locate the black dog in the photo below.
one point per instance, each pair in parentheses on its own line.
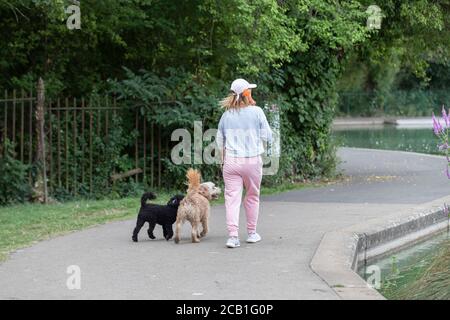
(157,214)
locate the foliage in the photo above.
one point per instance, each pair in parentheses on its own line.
(13,178)
(173,60)
(309,80)
(426,279)
(109,153)
(173,101)
(410,53)
(442,132)
(406,103)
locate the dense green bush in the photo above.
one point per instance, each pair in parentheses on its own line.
(110,153)
(172,102)
(294,49)
(14,185)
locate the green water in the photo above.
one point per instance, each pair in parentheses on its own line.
(390,138)
(421,272)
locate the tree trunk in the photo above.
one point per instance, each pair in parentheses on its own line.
(41,185)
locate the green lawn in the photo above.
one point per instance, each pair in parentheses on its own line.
(22,225)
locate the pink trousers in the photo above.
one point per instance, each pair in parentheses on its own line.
(239,172)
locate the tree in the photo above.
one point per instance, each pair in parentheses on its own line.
(414,35)
(295,49)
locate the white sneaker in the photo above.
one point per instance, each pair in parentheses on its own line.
(253,237)
(233,242)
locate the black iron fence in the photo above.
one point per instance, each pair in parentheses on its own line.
(79,136)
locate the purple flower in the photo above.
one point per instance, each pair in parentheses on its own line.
(446,117)
(437,128)
(448,173)
(443,147)
(448,166)
(446,209)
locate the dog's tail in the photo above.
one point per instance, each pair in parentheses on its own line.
(194,178)
(147,196)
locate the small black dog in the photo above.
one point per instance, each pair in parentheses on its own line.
(157,214)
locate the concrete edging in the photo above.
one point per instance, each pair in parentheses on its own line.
(354,122)
(407,153)
(340,252)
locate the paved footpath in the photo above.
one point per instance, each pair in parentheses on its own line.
(291,224)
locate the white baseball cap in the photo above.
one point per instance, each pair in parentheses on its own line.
(240,85)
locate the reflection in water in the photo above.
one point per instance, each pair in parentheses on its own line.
(389,137)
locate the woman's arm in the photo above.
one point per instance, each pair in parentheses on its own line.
(266,131)
(220,140)
(222,156)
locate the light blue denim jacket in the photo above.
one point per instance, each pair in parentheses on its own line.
(242,132)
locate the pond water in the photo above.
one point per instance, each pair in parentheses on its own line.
(422,271)
(388,137)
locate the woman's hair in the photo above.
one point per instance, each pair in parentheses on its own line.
(231,101)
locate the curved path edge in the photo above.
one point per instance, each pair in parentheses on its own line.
(342,252)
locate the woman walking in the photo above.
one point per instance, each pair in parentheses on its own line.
(242,129)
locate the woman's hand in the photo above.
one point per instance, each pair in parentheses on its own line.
(222,159)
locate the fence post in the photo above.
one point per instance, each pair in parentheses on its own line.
(40,128)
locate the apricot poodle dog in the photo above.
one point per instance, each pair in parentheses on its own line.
(195,206)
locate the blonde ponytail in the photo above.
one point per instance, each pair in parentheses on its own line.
(231,101)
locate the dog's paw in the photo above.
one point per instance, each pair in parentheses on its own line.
(135,239)
(177,240)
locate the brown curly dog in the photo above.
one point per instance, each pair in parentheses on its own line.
(195,206)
